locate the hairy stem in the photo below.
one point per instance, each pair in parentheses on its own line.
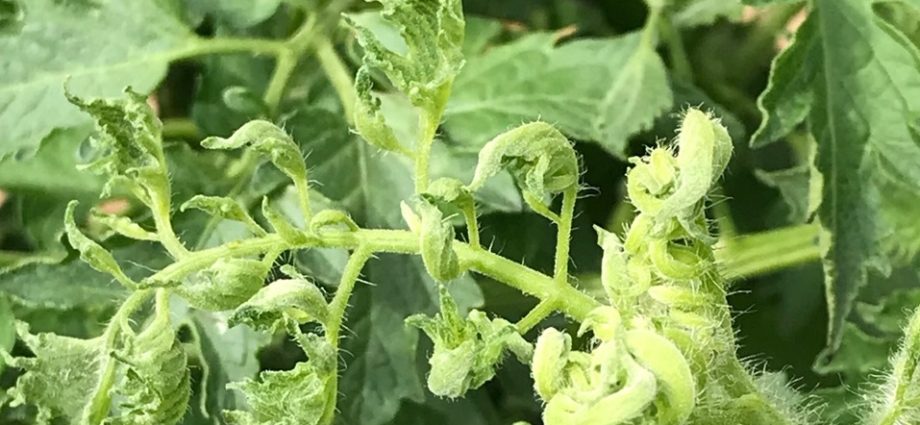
(564,234)
(339,75)
(336,316)
(180,128)
(761,253)
(287,61)
(166,234)
(100,403)
(543,309)
(574,303)
(680,62)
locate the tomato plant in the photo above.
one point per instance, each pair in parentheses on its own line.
(414,211)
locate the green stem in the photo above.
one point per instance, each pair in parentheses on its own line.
(180,128)
(429,118)
(563,235)
(574,303)
(342,294)
(761,253)
(472,227)
(336,316)
(543,309)
(287,60)
(338,75)
(165,233)
(677,53)
(423,151)
(650,29)
(98,408)
(220,45)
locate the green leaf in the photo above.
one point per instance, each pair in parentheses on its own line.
(268,140)
(291,397)
(101,46)
(856,81)
(466,351)
(603,90)
(227,355)
(540,158)
(793,185)
(369,120)
(65,286)
(91,252)
(53,168)
(223,207)
(61,378)
(433,37)
(156,388)
(281,302)
(128,146)
(383,371)
(224,285)
(74,284)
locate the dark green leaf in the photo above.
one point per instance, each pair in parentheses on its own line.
(857,83)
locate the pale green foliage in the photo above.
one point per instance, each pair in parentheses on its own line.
(124,226)
(156,386)
(369,120)
(466,351)
(57,360)
(668,322)
(146,376)
(539,157)
(281,303)
(128,146)
(295,397)
(225,208)
(893,402)
(661,349)
(91,252)
(433,35)
(436,238)
(268,140)
(224,285)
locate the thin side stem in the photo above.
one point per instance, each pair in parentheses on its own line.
(165,233)
(220,45)
(677,53)
(337,315)
(180,128)
(564,234)
(339,303)
(423,150)
(543,309)
(98,408)
(338,75)
(472,227)
(760,253)
(287,61)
